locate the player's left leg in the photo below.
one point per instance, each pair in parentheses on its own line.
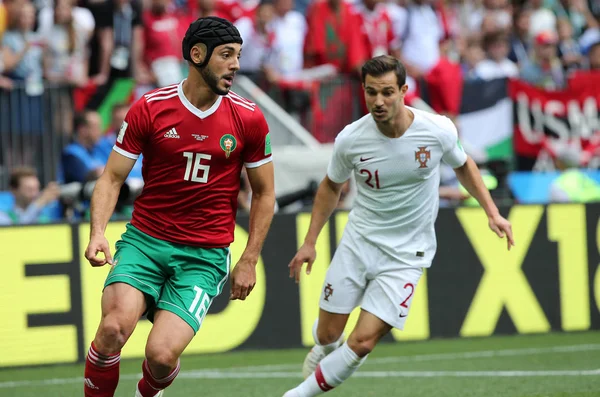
(344,361)
(169,337)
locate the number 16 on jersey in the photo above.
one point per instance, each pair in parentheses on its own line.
(195,171)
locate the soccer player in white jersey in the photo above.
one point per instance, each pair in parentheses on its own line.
(395,153)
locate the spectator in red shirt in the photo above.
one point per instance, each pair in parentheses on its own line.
(162,43)
(207,8)
(378,28)
(199,9)
(233,10)
(333,37)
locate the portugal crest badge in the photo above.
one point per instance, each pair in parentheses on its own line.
(422,156)
(228,144)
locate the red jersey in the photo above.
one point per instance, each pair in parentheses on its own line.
(192,163)
(334,37)
(378,29)
(162,35)
(232,10)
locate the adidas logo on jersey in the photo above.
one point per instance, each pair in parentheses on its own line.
(172,134)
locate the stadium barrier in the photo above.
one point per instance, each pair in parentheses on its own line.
(548,282)
(34,129)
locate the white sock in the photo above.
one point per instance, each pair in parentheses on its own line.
(331,372)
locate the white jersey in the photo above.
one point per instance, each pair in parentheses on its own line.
(397,182)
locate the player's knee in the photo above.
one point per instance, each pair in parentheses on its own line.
(362,344)
(328,334)
(160,359)
(112,335)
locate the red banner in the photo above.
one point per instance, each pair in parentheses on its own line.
(541,116)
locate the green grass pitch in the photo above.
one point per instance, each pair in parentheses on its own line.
(551,365)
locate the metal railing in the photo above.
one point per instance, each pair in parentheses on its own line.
(34,130)
(285,129)
(323,107)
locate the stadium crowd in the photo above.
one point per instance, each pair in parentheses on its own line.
(88,45)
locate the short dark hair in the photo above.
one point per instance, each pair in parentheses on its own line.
(81,119)
(494,37)
(19,173)
(383,64)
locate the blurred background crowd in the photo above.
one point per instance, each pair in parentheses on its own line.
(70,69)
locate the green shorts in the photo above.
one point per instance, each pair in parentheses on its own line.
(181,279)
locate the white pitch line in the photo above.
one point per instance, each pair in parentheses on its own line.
(248,371)
(488,353)
(392,374)
(298,375)
(442,356)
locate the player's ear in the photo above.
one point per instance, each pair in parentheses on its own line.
(404,89)
(198,52)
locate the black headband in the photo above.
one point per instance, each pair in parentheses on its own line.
(212,32)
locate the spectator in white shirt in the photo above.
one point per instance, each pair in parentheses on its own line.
(497,65)
(258,38)
(493,14)
(421,39)
(289,27)
(67,31)
(542,19)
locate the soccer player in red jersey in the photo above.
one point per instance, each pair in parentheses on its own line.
(173,258)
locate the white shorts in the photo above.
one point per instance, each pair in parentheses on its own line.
(363,275)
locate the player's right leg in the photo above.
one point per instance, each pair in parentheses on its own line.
(342,291)
(122,306)
(132,283)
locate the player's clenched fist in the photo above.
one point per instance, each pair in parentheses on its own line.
(98,244)
(306,254)
(243,279)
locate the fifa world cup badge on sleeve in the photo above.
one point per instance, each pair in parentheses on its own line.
(122,132)
(228,144)
(268,144)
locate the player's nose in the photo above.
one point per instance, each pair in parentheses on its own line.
(235,65)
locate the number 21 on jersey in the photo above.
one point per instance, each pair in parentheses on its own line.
(195,171)
(372,180)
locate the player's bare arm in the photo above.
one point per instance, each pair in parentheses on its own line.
(104,200)
(326,200)
(243,276)
(470,177)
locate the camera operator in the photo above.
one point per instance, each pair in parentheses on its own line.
(82,159)
(83,162)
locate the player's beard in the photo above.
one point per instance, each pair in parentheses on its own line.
(212,80)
